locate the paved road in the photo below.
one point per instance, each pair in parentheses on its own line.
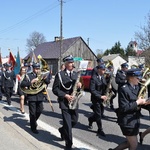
(48,137)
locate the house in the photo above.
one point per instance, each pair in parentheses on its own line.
(54,52)
(134,46)
(135,60)
(116,59)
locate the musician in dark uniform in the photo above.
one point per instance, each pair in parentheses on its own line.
(95,72)
(8,80)
(121,75)
(1,90)
(95,69)
(98,90)
(35,101)
(109,77)
(129,110)
(63,85)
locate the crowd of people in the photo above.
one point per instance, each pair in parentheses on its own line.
(129,101)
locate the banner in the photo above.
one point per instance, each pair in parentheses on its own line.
(17,64)
(11,60)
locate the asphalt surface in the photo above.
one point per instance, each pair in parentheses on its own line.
(15,133)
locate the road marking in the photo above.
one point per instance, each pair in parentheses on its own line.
(77,143)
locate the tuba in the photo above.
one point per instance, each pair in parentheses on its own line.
(40,84)
(35,87)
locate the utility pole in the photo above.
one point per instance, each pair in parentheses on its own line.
(61,28)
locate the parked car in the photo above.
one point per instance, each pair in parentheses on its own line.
(86,77)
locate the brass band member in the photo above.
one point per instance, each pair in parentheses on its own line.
(121,75)
(100,61)
(63,88)
(109,77)
(8,80)
(129,111)
(98,88)
(35,101)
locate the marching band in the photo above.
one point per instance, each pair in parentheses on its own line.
(32,85)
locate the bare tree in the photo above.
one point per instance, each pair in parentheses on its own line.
(143,37)
(34,40)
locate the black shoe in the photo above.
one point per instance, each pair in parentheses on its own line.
(103,116)
(110,149)
(68,148)
(101,133)
(61,134)
(90,123)
(9,103)
(92,107)
(35,131)
(140,135)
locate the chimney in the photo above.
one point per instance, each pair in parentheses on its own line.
(57,38)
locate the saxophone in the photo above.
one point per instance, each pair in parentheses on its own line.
(109,94)
(77,94)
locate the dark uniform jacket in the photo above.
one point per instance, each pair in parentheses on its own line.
(129,112)
(1,74)
(60,89)
(120,78)
(8,79)
(95,71)
(97,88)
(26,82)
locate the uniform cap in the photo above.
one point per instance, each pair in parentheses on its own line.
(26,64)
(110,67)
(102,66)
(107,71)
(141,66)
(8,65)
(36,65)
(100,60)
(134,73)
(68,58)
(124,65)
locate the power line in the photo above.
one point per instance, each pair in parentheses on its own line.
(22,22)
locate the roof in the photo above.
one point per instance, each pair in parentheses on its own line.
(110,57)
(49,50)
(139,52)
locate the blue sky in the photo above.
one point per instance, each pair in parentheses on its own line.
(104,22)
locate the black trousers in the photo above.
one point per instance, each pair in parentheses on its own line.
(1,93)
(35,110)
(8,93)
(115,94)
(97,114)
(70,119)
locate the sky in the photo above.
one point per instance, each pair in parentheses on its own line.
(103,22)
